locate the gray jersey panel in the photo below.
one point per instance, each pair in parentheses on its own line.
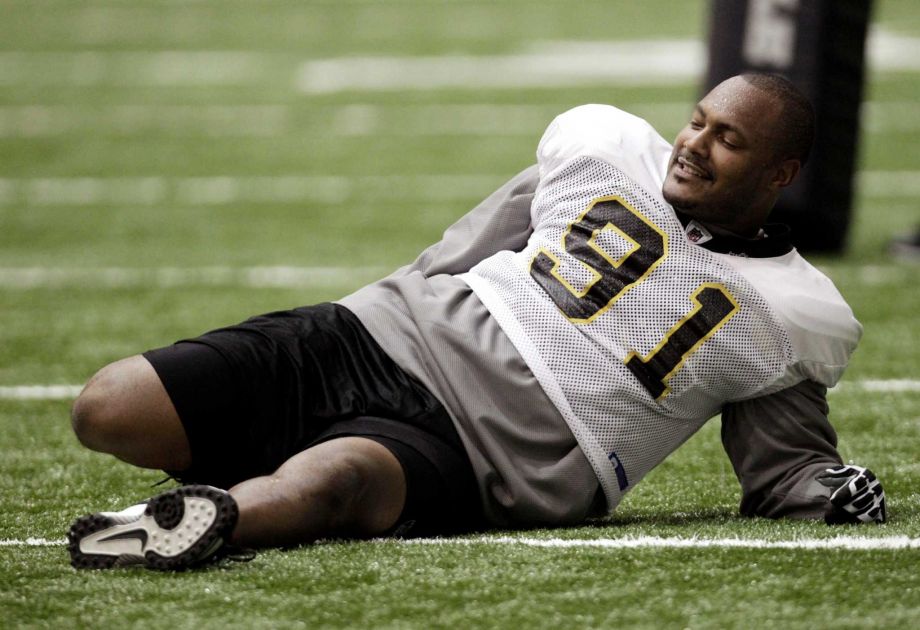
(527,462)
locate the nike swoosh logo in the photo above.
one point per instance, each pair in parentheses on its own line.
(125,539)
(139,534)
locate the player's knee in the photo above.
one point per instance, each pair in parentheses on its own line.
(100,415)
(90,415)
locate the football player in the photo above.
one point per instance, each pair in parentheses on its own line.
(529,369)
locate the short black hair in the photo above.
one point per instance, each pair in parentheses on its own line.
(797,133)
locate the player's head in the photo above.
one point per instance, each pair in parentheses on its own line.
(746,140)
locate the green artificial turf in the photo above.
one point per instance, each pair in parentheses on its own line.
(383,152)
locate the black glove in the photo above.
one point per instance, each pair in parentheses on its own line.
(858,496)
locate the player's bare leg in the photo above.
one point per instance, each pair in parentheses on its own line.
(349,486)
(124,410)
(346,486)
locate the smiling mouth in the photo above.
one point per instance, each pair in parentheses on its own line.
(688,168)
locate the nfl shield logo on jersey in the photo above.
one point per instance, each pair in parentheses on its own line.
(696,233)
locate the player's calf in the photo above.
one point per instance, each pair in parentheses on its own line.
(348,486)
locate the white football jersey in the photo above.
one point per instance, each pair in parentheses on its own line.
(637,333)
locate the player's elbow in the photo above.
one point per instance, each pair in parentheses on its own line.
(792,493)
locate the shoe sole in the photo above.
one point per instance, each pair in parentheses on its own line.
(176,530)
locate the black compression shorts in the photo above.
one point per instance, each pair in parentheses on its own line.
(253,395)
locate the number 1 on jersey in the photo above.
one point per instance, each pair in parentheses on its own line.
(714,305)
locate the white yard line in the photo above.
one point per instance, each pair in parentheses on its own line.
(657,542)
(69,392)
(289,277)
(662,62)
(40,392)
(554,64)
(850,543)
(488,120)
(164,68)
(872,275)
(36,121)
(891,116)
(329,189)
(896,385)
(32,542)
(503,120)
(557,64)
(230,189)
(889,183)
(171,277)
(542,65)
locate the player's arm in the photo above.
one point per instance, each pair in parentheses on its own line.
(784,452)
(501,221)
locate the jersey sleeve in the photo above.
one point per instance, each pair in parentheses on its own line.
(777,445)
(609,134)
(500,222)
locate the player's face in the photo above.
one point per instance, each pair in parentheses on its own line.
(723,170)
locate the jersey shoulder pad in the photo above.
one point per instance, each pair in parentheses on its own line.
(821,325)
(609,134)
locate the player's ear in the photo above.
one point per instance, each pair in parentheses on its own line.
(786,172)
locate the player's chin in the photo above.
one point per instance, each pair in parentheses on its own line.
(679,194)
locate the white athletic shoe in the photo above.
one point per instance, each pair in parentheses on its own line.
(175,530)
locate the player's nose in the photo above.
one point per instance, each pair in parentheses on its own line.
(697,141)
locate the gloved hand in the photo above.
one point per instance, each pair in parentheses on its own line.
(858,496)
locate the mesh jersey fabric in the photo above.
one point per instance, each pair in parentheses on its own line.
(598,217)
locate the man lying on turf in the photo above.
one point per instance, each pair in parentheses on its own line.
(529,369)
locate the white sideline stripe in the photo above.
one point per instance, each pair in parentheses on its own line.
(558,64)
(170,277)
(872,275)
(656,542)
(501,119)
(329,189)
(289,277)
(853,543)
(159,68)
(32,542)
(490,120)
(40,392)
(228,189)
(889,183)
(551,64)
(543,65)
(69,392)
(878,385)
(31,121)
(890,116)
